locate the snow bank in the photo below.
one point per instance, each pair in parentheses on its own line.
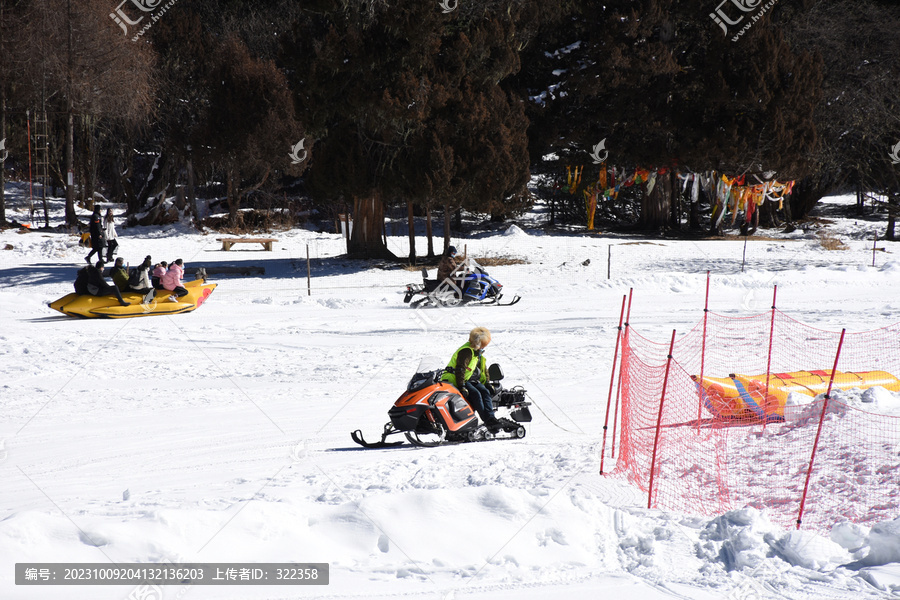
(800,409)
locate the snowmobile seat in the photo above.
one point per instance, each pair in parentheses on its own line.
(495,373)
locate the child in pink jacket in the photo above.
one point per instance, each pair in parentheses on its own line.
(157,273)
(171,280)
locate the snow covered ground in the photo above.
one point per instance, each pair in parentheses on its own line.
(222,435)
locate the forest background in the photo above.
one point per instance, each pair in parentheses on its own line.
(273,111)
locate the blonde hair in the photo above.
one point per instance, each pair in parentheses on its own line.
(480,337)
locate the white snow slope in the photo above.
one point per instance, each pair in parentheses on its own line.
(222,435)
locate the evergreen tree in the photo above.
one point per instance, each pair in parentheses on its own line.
(406,104)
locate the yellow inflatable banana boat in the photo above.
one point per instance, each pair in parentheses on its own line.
(81,305)
(746,397)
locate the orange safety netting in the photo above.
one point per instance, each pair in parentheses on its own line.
(738,421)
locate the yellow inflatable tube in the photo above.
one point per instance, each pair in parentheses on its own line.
(78,305)
(746,396)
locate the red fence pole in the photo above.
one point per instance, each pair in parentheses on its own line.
(612,380)
(619,385)
(812,457)
(702,357)
(659,422)
(769,361)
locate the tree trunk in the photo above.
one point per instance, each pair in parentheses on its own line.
(892,217)
(232,193)
(86,177)
(90,161)
(132,206)
(694,218)
(654,208)
(410,217)
(2,129)
(158,179)
(768,214)
(860,203)
(807,193)
(786,207)
(71,217)
(191,194)
(428,231)
(367,240)
(553,208)
(673,193)
(446,227)
(2,136)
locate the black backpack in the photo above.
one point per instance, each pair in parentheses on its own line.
(81,281)
(134,278)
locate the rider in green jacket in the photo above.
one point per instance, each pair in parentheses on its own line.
(459,372)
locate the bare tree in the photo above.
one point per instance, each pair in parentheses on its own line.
(78,63)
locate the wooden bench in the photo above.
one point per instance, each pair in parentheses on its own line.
(227,243)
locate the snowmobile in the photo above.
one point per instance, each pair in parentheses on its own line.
(469,284)
(432,412)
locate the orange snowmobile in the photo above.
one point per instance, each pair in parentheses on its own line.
(432,412)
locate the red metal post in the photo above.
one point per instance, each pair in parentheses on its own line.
(619,385)
(812,457)
(702,357)
(769,361)
(612,379)
(659,422)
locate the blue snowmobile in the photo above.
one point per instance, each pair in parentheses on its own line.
(469,284)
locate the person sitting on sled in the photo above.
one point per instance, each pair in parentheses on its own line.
(459,373)
(452,272)
(139,281)
(90,281)
(448,264)
(156,275)
(120,274)
(171,280)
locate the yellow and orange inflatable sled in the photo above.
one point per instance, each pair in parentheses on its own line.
(82,305)
(745,397)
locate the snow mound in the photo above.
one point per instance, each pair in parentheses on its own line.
(515,231)
(809,550)
(737,539)
(800,409)
(883,545)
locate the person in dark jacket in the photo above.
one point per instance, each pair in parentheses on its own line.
(98,286)
(459,373)
(81,280)
(98,235)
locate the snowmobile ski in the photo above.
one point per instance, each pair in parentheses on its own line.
(358,438)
